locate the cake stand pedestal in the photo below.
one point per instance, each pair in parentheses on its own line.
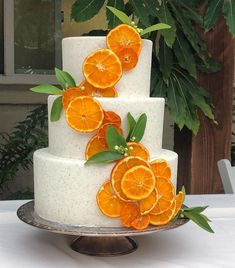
(96,241)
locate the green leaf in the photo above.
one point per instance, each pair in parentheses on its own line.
(184,191)
(192,11)
(155,27)
(229,14)
(212,13)
(56,109)
(104,157)
(187,28)
(195,209)
(208,65)
(85,10)
(47,89)
(131,125)
(113,138)
(64,78)
(121,15)
(184,54)
(165,59)
(140,11)
(139,129)
(199,220)
(113,20)
(164,16)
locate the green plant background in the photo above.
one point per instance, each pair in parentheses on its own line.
(178,54)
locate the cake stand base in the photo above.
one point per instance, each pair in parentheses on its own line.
(104,246)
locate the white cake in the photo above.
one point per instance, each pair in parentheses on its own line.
(65,189)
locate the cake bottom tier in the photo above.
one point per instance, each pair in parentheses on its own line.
(65,189)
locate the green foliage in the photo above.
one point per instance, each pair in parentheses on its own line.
(64,78)
(139,129)
(47,89)
(114,138)
(16,149)
(104,157)
(56,109)
(178,52)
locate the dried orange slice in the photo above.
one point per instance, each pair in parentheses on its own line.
(108,202)
(147,204)
(93,147)
(72,93)
(129,212)
(179,202)
(102,68)
(124,36)
(161,168)
(164,217)
(141,222)
(120,169)
(101,134)
(138,183)
(111,117)
(84,114)
(109,92)
(128,58)
(137,149)
(166,195)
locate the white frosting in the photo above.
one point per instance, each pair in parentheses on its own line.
(66,142)
(133,83)
(65,189)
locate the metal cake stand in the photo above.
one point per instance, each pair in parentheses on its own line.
(96,241)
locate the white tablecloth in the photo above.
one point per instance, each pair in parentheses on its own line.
(23,246)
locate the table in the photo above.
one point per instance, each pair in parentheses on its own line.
(23,246)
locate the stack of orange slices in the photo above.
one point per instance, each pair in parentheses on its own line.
(143,193)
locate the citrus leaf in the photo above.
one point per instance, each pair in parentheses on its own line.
(85,10)
(64,78)
(121,15)
(164,16)
(165,59)
(212,13)
(139,129)
(184,54)
(195,209)
(140,11)
(199,220)
(56,109)
(113,138)
(113,20)
(229,14)
(155,27)
(47,89)
(131,125)
(104,157)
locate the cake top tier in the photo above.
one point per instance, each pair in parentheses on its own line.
(133,83)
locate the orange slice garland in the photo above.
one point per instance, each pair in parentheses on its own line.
(141,222)
(137,149)
(129,212)
(179,202)
(128,58)
(102,68)
(161,168)
(124,36)
(120,169)
(109,92)
(138,183)
(93,147)
(164,217)
(84,114)
(101,134)
(166,195)
(72,93)
(111,117)
(147,204)
(108,202)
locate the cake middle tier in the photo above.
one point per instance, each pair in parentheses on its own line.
(66,142)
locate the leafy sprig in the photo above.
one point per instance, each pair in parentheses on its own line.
(117,144)
(65,80)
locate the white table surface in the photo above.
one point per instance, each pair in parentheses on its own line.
(23,246)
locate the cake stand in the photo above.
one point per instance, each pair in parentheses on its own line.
(96,241)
